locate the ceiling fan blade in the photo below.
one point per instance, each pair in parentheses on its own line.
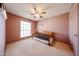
(31,14)
(34,6)
(43,12)
(40,16)
(35,9)
(34,17)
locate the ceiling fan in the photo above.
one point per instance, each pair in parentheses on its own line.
(37,13)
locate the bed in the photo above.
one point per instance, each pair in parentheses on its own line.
(44,37)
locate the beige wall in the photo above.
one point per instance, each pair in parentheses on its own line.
(13,27)
(58,24)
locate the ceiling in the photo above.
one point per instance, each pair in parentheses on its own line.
(25,9)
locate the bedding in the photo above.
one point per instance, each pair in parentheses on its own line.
(42,36)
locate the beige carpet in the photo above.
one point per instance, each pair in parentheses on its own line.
(30,47)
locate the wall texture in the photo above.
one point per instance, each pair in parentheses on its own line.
(13,27)
(58,24)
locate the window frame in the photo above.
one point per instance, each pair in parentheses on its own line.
(23,28)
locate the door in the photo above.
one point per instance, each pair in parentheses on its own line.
(2,35)
(74,28)
(77,30)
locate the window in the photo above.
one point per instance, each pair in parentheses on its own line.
(25,29)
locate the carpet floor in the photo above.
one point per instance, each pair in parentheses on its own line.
(31,47)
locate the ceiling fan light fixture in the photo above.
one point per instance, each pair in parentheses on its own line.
(37,15)
(39,11)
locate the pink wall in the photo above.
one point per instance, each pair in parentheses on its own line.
(13,27)
(58,24)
